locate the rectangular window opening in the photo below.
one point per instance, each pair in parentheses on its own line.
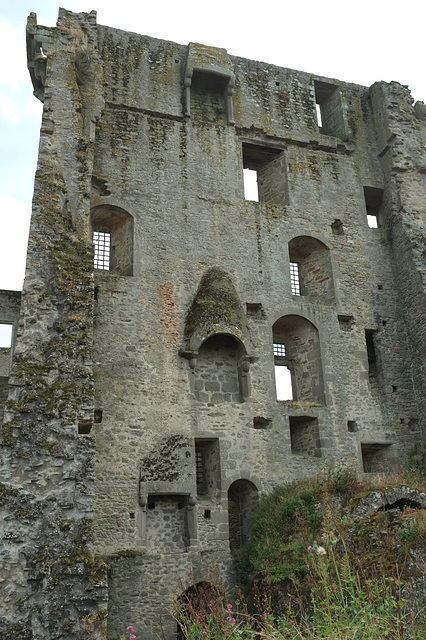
(295,278)
(283,383)
(373,201)
(102,243)
(251,191)
(346,323)
(304,435)
(352,426)
(329,108)
(264,172)
(6,335)
(319,115)
(371,355)
(207,468)
(84,427)
(376,457)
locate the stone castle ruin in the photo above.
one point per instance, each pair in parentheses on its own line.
(161,304)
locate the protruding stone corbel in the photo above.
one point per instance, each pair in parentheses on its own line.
(191,356)
(192,519)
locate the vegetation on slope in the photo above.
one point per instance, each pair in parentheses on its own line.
(313,570)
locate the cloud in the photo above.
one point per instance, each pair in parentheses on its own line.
(10,109)
(15,220)
(13,70)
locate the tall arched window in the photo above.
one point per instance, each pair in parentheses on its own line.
(112,229)
(300,353)
(242,500)
(310,268)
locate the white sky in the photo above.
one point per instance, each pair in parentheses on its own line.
(361,42)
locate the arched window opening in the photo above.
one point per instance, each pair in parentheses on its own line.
(242,501)
(297,349)
(220,374)
(310,268)
(112,232)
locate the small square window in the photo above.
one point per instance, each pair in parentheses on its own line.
(279,349)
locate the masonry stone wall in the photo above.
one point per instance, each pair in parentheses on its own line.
(142,420)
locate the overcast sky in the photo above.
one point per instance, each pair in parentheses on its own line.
(361,42)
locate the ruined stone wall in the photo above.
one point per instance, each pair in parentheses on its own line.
(51,575)
(143,398)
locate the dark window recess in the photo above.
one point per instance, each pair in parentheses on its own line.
(371,355)
(337,228)
(261,423)
(376,457)
(207,514)
(208,97)
(268,167)
(97,416)
(254,309)
(304,435)
(373,204)
(84,427)
(207,468)
(151,505)
(329,108)
(352,426)
(346,322)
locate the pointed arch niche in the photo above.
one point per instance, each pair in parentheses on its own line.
(310,268)
(215,337)
(302,357)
